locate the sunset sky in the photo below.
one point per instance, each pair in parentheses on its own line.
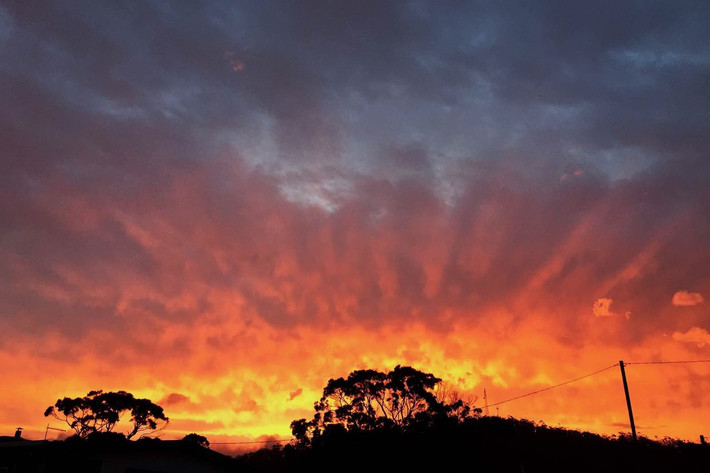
(221,205)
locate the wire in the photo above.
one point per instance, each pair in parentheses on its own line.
(553,387)
(596,372)
(665,362)
(250,441)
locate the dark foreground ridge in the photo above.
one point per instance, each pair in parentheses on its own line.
(110,453)
(484,444)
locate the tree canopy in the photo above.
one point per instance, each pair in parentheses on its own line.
(369,399)
(99,412)
(196,439)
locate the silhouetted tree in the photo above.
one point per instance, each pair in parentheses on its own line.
(196,439)
(98,412)
(458,406)
(368,400)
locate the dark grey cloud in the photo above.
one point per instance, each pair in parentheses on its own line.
(325,79)
(180,147)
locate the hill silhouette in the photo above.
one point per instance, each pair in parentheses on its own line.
(395,421)
(483,444)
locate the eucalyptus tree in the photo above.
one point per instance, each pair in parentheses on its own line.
(369,399)
(99,412)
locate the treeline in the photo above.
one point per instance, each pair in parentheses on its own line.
(407,420)
(479,444)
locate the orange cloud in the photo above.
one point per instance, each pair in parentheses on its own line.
(687,299)
(696,335)
(508,359)
(602,307)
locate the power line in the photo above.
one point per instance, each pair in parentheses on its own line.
(250,442)
(597,372)
(666,362)
(553,387)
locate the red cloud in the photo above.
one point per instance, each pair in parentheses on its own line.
(685,298)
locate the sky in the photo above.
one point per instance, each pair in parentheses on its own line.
(221,205)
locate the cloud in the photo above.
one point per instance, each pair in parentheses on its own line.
(234,62)
(686,299)
(602,307)
(697,335)
(379,184)
(174,399)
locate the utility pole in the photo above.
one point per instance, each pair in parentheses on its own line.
(485,398)
(628,400)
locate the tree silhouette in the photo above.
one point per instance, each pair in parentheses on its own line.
(369,399)
(196,439)
(99,412)
(457,406)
